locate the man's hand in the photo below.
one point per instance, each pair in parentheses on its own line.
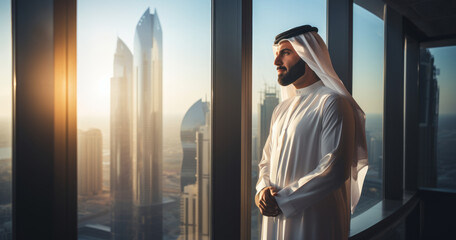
(266,202)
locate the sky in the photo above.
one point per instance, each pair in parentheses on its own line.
(368,52)
(187,51)
(5,59)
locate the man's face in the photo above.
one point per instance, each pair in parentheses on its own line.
(290,66)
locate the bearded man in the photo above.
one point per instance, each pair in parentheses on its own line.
(315,158)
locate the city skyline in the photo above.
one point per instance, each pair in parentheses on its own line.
(99,41)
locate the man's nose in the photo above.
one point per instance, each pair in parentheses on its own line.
(278,61)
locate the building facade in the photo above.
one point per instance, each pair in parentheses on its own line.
(195,199)
(194,118)
(269,100)
(429,118)
(122,148)
(90,157)
(147,72)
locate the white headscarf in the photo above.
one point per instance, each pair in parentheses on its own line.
(311,48)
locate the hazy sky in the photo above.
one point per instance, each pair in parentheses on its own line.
(187,45)
(186,50)
(368,60)
(5,59)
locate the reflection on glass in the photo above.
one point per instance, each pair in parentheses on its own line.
(267,23)
(368,92)
(144,142)
(5,121)
(437,117)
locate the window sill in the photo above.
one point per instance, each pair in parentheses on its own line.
(382,217)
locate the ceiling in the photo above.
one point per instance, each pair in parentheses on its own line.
(435,18)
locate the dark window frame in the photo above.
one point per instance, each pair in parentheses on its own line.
(44,119)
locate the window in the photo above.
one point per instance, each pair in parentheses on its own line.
(144,122)
(368,47)
(267,23)
(437,117)
(5,121)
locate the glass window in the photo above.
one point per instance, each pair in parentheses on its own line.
(267,23)
(5,120)
(437,117)
(368,47)
(144,139)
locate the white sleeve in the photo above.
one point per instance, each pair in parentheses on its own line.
(337,139)
(263,173)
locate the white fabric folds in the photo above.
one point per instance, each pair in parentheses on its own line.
(311,48)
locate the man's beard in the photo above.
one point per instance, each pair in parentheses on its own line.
(295,72)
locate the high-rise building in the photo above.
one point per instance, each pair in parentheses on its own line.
(195,199)
(189,213)
(193,119)
(90,166)
(122,148)
(203,176)
(147,70)
(429,105)
(269,100)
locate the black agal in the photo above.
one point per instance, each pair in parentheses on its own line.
(295,32)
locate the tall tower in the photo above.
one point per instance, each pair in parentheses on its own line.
(195,198)
(203,176)
(189,213)
(194,118)
(148,106)
(268,103)
(90,157)
(122,148)
(429,105)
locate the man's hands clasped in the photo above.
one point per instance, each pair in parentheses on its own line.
(265,201)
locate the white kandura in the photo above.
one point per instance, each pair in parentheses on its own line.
(308,157)
(312,50)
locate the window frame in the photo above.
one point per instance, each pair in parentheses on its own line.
(44,119)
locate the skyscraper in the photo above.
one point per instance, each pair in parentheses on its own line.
(269,100)
(122,148)
(429,103)
(194,118)
(189,213)
(90,157)
(195,199)
(147,69)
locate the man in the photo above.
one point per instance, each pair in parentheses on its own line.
(315,158)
